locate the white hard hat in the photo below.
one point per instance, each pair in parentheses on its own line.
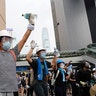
(5,33)
(40,49)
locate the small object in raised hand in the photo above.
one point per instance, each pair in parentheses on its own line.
(31,17)
(56,52)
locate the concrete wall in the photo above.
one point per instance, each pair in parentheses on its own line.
(2,14)
(74,32)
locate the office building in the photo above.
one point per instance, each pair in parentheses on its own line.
(74,23)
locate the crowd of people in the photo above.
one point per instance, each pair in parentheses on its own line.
(39,79)
(62,80)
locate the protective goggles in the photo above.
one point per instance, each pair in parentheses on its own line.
(5,38)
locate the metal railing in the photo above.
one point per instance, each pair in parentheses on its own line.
(63,54)
(90,50)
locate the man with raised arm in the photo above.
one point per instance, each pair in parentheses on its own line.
(40,67)
(8,81)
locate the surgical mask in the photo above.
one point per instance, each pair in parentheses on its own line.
(43,55)
(61,65)
(6,45)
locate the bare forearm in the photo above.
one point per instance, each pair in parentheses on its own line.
(68,64)
(54,60)
(53,63)
(28,56)
(23,40)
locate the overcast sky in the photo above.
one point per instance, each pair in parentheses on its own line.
(14,20)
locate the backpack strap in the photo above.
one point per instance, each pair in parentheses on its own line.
(54,78)
(13,54)
(57,74)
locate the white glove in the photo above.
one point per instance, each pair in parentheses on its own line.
(56,52)
(82,83)
(30,27)
(77,85)
(33,44)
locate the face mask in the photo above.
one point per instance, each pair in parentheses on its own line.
(43,55)
(62,66)
(6,45)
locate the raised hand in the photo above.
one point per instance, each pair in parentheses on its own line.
(32,18)
(33,44)
(56,52)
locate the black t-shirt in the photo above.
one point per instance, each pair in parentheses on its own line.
(34,65)
(83,75)
(59,79)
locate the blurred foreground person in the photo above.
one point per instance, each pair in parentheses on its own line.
(8,81)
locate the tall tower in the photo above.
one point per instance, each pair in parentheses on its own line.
(45,39)
(2,15)
(56,24)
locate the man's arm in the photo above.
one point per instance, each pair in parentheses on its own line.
(56,55)
(53,63)
(25,37)
(29,54)
(65,67)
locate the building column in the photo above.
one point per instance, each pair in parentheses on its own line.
(91,14)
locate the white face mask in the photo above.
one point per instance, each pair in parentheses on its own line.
(43,55)
(61,65)
(6,45)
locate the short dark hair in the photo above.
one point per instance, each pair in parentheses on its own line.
(1,38)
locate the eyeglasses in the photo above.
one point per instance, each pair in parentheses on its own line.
(5,38)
